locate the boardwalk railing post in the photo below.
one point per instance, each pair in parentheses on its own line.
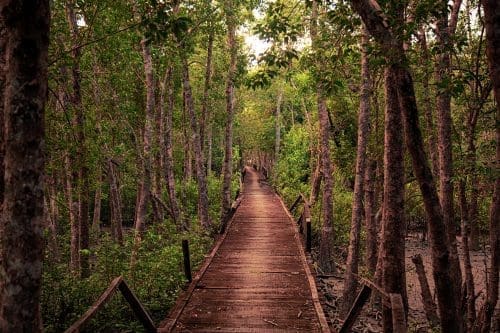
(308,235)
(187,260)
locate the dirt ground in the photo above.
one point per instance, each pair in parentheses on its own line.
(370,319)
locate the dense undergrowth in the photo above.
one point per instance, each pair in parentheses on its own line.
(156,278)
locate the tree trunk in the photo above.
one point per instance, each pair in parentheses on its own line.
(115,203)
(73,219)
(393,225)
(3,68)
(144,194)
(432,146)
(429,305)
(350,282)
(277,126)
(227,167)
(200,169)
(316,182)
(444,124)
(492,24)
(370,221)
(168,163)
(26,41)
(96,220)
(205,116)
(326,262)
(440,249)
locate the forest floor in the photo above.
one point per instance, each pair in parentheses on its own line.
(370,318)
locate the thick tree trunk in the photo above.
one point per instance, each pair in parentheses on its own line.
(350,282)
(227,166)
(200,169)
(492,24)
(168,163)
(26,41)
(326,262)
(3,68)
(144,193)
(440,249)
(393,225)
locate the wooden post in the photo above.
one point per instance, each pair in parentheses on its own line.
(356,308)
(187,261)
(137,307)
(308,235)
(398,314)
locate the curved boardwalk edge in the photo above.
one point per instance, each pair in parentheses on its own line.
(256,278)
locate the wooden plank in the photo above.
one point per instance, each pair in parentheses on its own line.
(356,308)
(310,278)
(139,311)
(101,301)
(398,314)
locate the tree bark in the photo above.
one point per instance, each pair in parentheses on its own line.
(227,167)
(200,169)
(26,41)
(393,225)
(372,16)
(326,262)
(81,175)
(115,203)
(277,126)
(370,220)
(144,193)
(350,283)
(168,163)
(492,24)
(205,116)
(444,124)
(429,305)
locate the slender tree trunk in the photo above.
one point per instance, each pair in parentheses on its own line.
(370,221)
(115,203)
(3,68)
(227,167)
(277,126)
(469,278)
(81,176)
(429,305)
(350,282)
(96,220)
(432,146)
(316,182)
(492,24)
(205,116)
(209,148)
(200,169)
(326,262)
(73,219)
(144,194)
(168,163)
(440,248)
(188,167)
(444,124)
(26,41)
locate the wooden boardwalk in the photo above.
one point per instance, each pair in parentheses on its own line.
(256,279)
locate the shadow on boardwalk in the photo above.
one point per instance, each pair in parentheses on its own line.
(256,278)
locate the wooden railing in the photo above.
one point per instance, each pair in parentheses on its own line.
(394,301)
(304,220)
(139,311)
